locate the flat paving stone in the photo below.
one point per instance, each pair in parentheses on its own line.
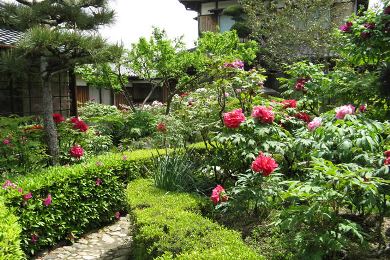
(108,243)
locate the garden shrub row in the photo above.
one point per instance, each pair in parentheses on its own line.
(169,225)
(9,235)
(62,203)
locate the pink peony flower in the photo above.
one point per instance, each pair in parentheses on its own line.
(6,141)
(346,27)
(27,196)
(264,164)
(98,182)
(263,114)
(303,116)
(8,184)
(314,124)
(48,200)
(34,238)
(20,190)
(342,111)
(234,118)
(237,64)
(365,35)
(58,118)
(218,195)
(363,108)
(117,215)
(289,103)
(76,151)
(161,127)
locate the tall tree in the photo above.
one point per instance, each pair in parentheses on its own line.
(58,35)
(291,30)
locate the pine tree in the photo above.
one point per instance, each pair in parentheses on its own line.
(58,34)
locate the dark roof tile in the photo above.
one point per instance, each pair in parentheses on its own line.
(9,37)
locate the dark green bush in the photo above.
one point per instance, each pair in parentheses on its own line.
(9,235)
(169,225)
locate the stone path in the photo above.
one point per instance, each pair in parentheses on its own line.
(109,243)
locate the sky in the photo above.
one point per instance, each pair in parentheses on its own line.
(135,19)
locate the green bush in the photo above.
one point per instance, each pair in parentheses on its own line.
(169,225)
(9,235)
(84,196)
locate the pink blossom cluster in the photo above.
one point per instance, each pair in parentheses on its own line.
(237,64)
(314,124)
(218,195)
(234,118)
(263,114)
(289,103)
(264,164)
(342,111)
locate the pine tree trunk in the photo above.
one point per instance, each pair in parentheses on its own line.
(50,127)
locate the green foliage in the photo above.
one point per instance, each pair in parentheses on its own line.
(169,226)
(367,41)
(174,171)
(9,235)
(289,30)
(103,75)
(25,151)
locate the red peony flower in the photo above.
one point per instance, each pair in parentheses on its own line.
(263,114)
(264,164)
(161,127)
(58,118)
(387,10)
(363,108)
(303,116)
(289,103)
(365,35)
(369,26)
(80,125)
(346,27)
(387,153)
(74,120)
(48,200)
(76,151)
(234,118)
(218,195)
(300,84)
(34,238)
(387,161)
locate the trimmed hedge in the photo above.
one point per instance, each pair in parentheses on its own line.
(169,225)
(84,197)
(9,235)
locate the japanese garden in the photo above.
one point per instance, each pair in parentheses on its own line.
(267,139)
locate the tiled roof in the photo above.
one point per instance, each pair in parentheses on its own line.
(9,37)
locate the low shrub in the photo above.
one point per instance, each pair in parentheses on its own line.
(169,225)
(67,201)
(9,235)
